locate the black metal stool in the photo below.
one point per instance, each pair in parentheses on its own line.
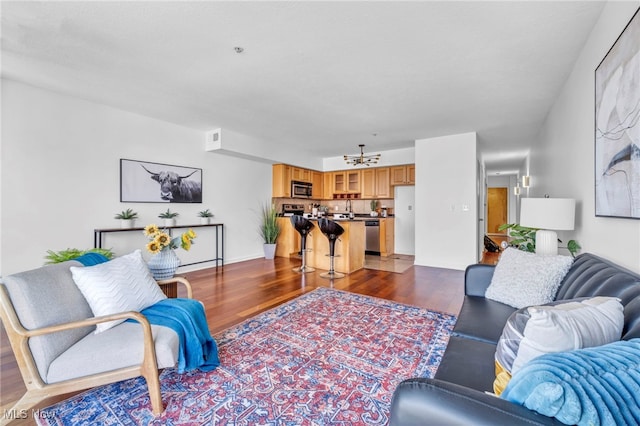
(303,226)
(332,230)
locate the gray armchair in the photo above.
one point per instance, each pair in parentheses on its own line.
(50,328)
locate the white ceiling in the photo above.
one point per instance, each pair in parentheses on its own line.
(324,74)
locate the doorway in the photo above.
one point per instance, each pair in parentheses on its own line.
(497,201)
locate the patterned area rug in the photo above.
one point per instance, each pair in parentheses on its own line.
(327,357)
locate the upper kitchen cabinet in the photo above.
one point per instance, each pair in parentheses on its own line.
(375,183)
(300,174)
(318,184)
(346,182)
(327,186)
(403,175)
(281,181)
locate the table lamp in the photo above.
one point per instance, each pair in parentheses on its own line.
(549,215)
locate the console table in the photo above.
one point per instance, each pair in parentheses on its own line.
(219,236)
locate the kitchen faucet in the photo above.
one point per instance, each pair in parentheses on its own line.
(348,207)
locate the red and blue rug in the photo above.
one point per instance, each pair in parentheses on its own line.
(328,357)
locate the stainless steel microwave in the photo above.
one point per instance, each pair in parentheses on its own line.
(301,189)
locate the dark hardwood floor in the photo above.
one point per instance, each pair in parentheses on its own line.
(238,291)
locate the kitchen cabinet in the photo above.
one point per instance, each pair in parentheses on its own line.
(327,186)
(283,174)
(403,175)
(288,242)
(386,236)
(318,184)
(346,182)
(369,183)
(375,183)
(383,185)
(300,175)
(281,181)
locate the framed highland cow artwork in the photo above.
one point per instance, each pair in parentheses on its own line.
(145,182)
(617,126)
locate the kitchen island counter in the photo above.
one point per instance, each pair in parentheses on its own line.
(349,248)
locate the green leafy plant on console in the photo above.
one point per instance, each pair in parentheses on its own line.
(205,213)
(168,215)
(73,253)
(127,214)
(525,238)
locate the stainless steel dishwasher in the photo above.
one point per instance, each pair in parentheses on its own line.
(372,237)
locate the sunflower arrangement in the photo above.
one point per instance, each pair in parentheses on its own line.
(161,240)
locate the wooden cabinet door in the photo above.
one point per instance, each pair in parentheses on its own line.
(281,181)
(300,174)
(398,175)
(411,174)
(403,175)
(317,182)
(353,181)
(369,183)
(339,183)
(327,186)
(383,188)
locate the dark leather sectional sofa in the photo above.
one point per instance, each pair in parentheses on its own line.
(457,394)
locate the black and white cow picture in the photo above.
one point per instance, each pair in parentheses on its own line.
(175,188)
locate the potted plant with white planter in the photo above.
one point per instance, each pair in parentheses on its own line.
(374,204)
(169,217)
(269,229)
(127,218)
(205,217)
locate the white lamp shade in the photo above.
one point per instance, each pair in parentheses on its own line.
(548,213)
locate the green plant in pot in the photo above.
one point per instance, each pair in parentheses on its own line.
(169,217)
(269,229)
(373,204)
(205,216)
(525,238)
(127,218)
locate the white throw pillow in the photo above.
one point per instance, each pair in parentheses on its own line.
(120,285)
(568,326)
(560,326)
(525,279)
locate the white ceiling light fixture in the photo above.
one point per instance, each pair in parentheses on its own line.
(362,159)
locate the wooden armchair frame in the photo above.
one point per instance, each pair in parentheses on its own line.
(38,390)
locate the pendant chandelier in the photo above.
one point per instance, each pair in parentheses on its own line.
(362,159)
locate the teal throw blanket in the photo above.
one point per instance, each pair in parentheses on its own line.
(593,386)
(187,318)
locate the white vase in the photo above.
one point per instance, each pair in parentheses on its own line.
(126,223)
(205,220)
(374,213)
(269,251)
(164,264)
(170,222)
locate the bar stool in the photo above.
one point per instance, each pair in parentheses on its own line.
(332,230)
(303,226)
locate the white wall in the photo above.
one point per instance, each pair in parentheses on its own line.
(562,165)
(446,201)
(60,176)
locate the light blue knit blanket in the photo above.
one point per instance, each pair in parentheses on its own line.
(594,386)
(188,319)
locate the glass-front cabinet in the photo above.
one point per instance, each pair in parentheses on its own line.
(346,182)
